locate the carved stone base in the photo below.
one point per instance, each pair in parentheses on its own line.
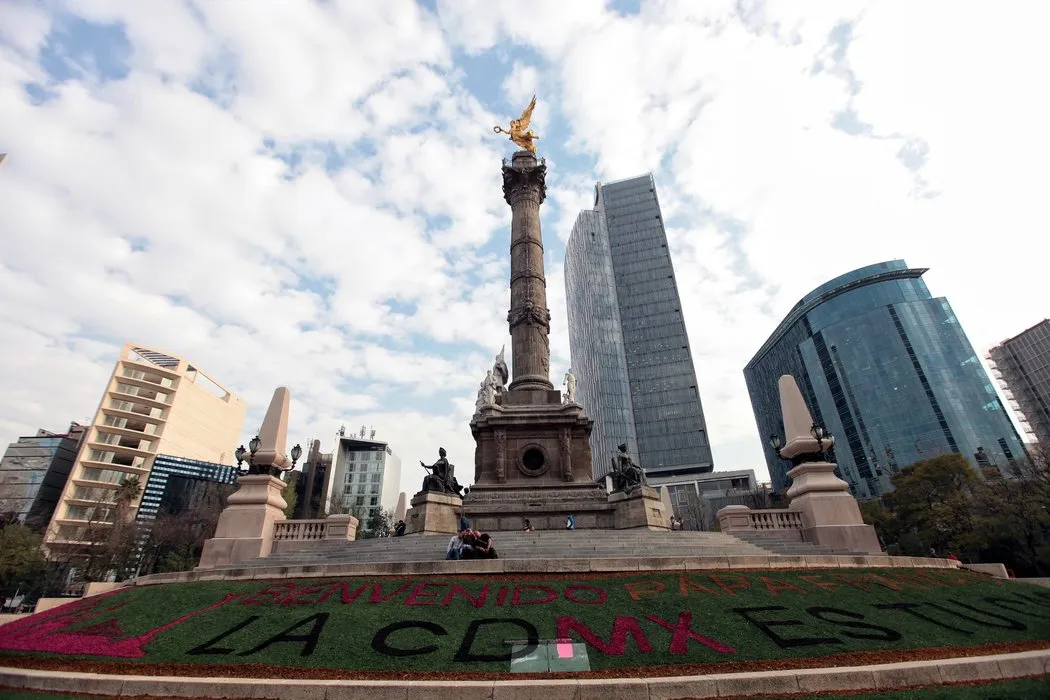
(531,439)
(851,538)
(245,527)
(433,513)
(830,514)
(641,508)
(492,509)
(533,460)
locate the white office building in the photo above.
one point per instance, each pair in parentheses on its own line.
(366,476)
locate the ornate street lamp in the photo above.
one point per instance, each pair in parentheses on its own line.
(776,443)
(820,435)
(297,452)
(253,445)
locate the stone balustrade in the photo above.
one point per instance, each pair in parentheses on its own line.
(290,535)
(775,519)
(299,530)
(774,522)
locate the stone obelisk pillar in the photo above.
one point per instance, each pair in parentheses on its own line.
(525,188)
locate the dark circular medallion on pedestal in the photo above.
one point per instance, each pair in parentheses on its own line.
(532,460)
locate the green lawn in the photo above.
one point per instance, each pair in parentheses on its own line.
(470,623)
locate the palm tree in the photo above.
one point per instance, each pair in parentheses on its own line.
(130,488)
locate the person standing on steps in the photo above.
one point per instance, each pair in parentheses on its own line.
(570,522)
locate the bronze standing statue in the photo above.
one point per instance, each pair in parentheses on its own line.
(520,133)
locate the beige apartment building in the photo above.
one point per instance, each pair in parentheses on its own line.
(154,403)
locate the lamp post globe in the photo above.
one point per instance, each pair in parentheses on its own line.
(253,444)
(297,452)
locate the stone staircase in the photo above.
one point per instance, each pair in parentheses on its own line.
(543,545)
(779,546)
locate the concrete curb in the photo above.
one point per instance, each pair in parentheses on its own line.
(878,677)
(547,566)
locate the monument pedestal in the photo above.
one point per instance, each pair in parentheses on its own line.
(433,513)
(830,515)
(245,527)
(533,460)
(641,508)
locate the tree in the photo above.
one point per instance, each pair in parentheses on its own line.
(932,503)
(289,493)
(695,513)
(174,541)
(881,518)
(378,524)
(1013,518)
(130,488)
(22,564)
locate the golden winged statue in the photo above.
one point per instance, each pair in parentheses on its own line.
(520,133)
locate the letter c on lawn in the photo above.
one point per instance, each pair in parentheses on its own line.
(379,642)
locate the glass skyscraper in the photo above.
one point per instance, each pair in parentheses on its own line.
(889,371)
(630,351)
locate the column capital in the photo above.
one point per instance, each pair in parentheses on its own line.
(524,178)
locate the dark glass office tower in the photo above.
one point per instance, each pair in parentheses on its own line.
(888,370)
(628,341)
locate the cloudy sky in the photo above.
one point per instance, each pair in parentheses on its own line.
(308,193)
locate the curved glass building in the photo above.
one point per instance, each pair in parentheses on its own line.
(888,370)
(630,351)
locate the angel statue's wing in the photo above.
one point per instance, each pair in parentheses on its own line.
(526,116)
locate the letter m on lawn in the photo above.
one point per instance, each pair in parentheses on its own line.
(616,646)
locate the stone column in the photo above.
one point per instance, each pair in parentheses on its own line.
(524,188)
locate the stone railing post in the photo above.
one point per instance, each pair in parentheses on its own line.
(340,527)
(735,518)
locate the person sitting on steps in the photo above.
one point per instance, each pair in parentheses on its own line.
(528,526)
(455,547)
(484,549)
(470,543)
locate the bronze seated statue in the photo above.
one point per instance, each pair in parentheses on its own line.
(625,474)
(441,476)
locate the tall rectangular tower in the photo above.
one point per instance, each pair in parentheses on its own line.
(1022,366)
(660,398)
(154,403)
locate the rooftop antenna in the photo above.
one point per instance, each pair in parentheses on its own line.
(372,435)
